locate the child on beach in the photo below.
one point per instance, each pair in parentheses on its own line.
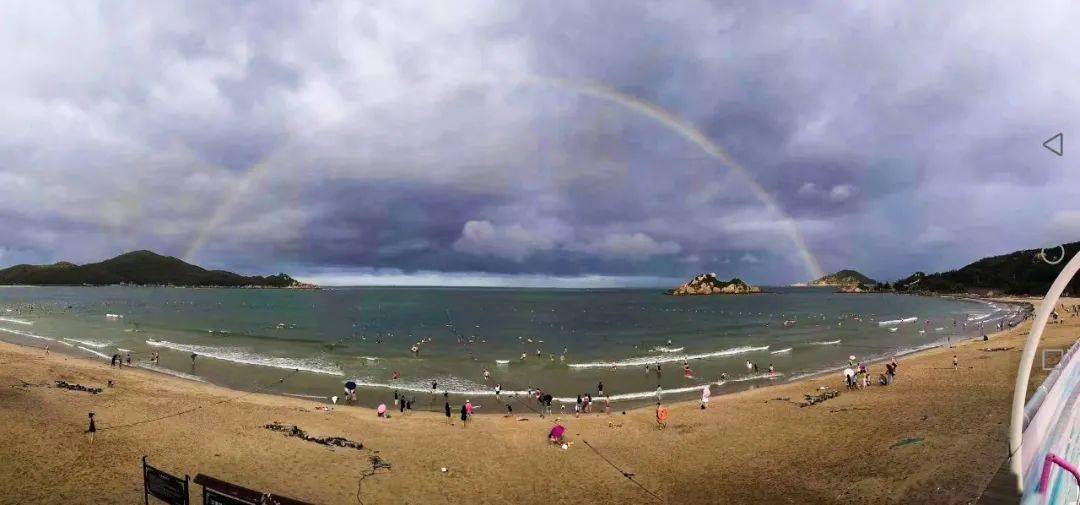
(92,429)
(661,416)
(955,362)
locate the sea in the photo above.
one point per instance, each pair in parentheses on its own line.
(635,343)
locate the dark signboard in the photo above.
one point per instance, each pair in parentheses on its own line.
(211,497)
(219,492)
(167,488)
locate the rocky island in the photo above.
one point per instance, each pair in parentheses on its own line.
(709,284)
(140,268)
(847,281)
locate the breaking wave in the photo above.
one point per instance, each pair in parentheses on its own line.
(16,321)
(25,334)
(669,358)
(830,342)
(661,348)
(92,343)
(893,322)
(237,355)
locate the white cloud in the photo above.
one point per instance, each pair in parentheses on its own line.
(627,245)
(749,258)
(837,194)
(808,189)
(842,192)
(397,277)
(513,241)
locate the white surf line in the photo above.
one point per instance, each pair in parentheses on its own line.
(781,351)
(649,360)
(16,321)
(167,371)
(92,343)
(246,358)
(26,334)
(91,351)
(668,349)
(911,319)
(830,342)
(310,397)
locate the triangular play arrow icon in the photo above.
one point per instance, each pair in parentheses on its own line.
(1056,144)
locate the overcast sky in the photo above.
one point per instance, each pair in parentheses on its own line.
(457,142)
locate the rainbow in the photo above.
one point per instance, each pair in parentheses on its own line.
(654,112)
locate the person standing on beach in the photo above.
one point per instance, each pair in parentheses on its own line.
(115,358)
(705,393)
(92,429)
(193,356)
(447,407)
(464,415)
(661,416)
(498,389)
(46,349)
(128,358)
(600,389)
(955,362)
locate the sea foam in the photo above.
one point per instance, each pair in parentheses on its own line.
(669,358)
(16,321)
(237,355)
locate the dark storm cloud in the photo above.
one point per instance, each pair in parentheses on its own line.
(379,140)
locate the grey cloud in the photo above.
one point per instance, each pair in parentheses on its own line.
(398,136)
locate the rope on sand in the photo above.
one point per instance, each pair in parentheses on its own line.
(187,411)
(629,476)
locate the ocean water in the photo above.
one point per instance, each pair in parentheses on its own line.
(565,341)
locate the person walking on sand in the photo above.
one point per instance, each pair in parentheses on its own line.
(705,393)
(92,429)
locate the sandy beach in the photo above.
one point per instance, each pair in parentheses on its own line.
(937,435)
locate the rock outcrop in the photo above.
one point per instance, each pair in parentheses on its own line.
(709,284)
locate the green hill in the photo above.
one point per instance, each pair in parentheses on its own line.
(1018,273)
(139,267)
(844,278)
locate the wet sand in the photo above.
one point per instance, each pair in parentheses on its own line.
(755,446)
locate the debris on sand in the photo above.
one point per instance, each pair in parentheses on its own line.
(295,431)
(77,387)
